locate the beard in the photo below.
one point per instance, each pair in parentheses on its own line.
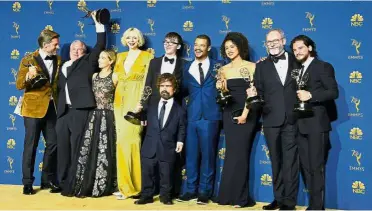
(302,60)
(276,51)
(165,95)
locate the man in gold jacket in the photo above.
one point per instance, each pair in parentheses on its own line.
(38,77)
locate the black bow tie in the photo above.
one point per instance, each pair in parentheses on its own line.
(277,58)
(49,57)
(166,59)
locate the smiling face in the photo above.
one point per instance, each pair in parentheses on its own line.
(275,43)
(201,48)
(231,50)
(301,51)
(132,40)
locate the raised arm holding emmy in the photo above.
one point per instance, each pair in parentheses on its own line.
(38,76)
(237,119)
(313,130)
(131,67)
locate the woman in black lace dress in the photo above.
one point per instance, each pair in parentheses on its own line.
(93,171)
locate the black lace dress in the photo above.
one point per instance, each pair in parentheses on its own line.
(93,170)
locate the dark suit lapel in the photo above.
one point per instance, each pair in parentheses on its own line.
(171,114)
(40,62)
(177,69)
(288,78)
(155,116)
(72,67)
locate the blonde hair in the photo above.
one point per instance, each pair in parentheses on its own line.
(111,55)
(139,35)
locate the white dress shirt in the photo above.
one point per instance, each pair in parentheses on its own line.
(64,71)
(282,67)
(167,67)
(194,69)
(168,108)
(48,63)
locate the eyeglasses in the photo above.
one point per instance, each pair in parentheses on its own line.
(275,42)
(169,43)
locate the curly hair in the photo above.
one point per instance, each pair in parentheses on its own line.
(167,77)
(241,43)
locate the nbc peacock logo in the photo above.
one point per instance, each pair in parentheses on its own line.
(49,27)
(14,54)
(115,28)
(11,143)
(221,153)
(151,3)
(13,101)
(266,180)
(226,1)
(355,77)
(358,187)
(184,177)
(356,133)
(188,26)
(41,166)
(356,20)
(267,23)
(16,7)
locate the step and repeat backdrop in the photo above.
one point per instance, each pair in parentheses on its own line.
(341,31)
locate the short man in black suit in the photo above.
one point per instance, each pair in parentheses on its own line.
(313,137)
(76,97)
(165,135)
(273,81)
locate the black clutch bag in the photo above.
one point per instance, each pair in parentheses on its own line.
(236,113)
(37,82)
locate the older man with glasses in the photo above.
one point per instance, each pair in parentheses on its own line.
(273,81)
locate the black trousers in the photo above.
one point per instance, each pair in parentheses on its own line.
(283,148)
(70,129)
(149,168)
(313,149)
(33,128)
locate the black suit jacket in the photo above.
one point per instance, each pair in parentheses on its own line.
(162,141)
(154,73)
(79,79)
(324,90)
(279,99)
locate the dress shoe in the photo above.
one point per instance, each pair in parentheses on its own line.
(272,206)
(285,207)
(54,188)
(167,201)
(144,201)
(44,186)
(28,190)
(187,197)
(202,200)
(138,196)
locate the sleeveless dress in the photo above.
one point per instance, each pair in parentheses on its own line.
(234,186)
(93,170)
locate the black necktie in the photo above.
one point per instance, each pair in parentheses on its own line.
(201,73)
(49,57)
(301,73)
(277,58)
(162,112)
(166,59)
